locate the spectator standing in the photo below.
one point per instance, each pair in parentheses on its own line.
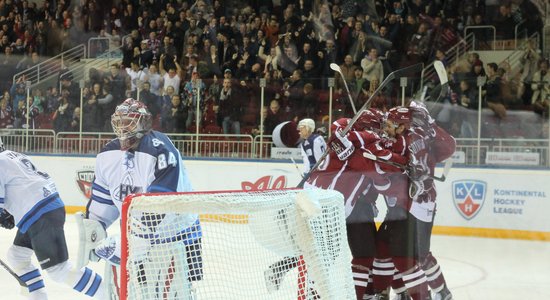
(6,114)
(541,88)
(91,112)
(372,66)
(231,107)
(62,117)
(150,99)
(193,92)
(274,117)
(174,75)
(173,116)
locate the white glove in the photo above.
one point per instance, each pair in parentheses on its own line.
(342,146)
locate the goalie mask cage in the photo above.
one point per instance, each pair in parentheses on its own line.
(273,244)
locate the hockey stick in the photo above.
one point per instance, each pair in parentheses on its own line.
(446,168)
(297,168)
(403,167)
(390,77)
(337,68)
(443,78)
(12,273)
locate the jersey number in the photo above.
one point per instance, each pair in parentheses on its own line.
(30,166)
(162,163)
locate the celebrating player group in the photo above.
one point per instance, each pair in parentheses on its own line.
(392,154)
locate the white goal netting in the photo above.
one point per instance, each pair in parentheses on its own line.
(276,244)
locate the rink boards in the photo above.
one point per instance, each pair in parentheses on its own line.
(487,202)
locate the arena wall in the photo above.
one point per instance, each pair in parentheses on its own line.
(486,202)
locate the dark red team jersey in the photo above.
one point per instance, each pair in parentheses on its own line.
(356,175)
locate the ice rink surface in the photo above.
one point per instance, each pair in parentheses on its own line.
(475,268)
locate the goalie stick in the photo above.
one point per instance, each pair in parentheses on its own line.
(12,273)
(390,77)
(337,68)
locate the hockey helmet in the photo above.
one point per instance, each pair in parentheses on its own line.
(131,121)
(308,123)
(399,115)
(420,116)
(370,119)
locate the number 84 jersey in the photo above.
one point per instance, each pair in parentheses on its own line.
(155,166)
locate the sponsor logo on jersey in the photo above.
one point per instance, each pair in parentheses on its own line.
(84,179)
(265,183)
(469,196)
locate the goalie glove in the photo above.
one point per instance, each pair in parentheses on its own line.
(6,219)
(341,145)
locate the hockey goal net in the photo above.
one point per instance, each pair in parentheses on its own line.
(274,244)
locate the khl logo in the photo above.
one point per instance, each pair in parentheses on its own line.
(468,196)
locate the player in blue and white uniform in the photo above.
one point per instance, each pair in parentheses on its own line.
(313,145)
(139,160)
(30,201)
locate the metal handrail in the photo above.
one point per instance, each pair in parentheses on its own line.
(453,54)
(545,41)
(50,67)
(483,26)
(516,33)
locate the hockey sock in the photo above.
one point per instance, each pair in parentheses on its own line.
(360,268)
(413,276)
(397,284)
(83,281)
(19,258)
(382,274)
(433,273)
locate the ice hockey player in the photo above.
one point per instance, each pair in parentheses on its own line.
(139,160)
(313,145)
(431,146)
(397,236)
(349,172)
(29,201)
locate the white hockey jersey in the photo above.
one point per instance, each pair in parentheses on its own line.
(155,166)
(25,192)
(312,149)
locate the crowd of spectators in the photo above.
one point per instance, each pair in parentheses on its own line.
(206,58)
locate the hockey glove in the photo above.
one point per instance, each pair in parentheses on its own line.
(6,219)
(342,146)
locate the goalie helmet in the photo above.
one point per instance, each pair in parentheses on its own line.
(370,119)
(131,121)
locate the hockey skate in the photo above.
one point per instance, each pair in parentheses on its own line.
(381,296)
(402,296)
(444,294)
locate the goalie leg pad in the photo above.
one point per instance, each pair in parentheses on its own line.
(90,233)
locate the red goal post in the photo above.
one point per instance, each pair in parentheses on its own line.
(269,244)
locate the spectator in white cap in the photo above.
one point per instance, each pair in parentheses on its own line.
(313,145)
